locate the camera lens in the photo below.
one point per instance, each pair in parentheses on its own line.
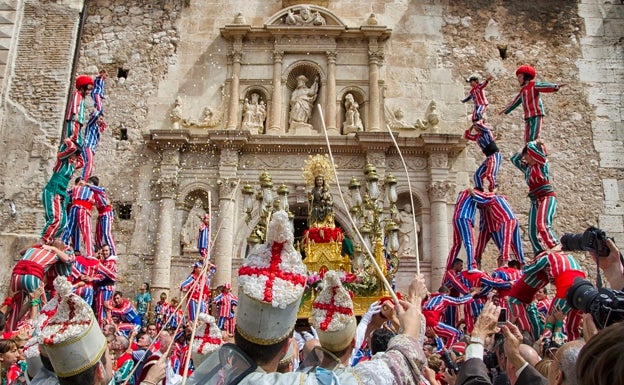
(581,295)
(572,242)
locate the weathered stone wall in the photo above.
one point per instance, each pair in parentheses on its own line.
(169,49)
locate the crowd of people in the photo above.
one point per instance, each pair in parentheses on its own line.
(65,322)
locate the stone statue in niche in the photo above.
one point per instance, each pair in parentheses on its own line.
(352,122)
(176,113)
(304,17)
(188,233)
(301,102)
(254,114)
(407,243)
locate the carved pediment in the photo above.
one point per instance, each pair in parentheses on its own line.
(305,16)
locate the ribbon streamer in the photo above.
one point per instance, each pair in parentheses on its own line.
(409,187)
(357,231)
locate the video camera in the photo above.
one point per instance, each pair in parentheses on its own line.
(593,240)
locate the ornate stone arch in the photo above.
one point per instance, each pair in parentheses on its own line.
(421,199)
(192,203)
(308,68)
(191,191)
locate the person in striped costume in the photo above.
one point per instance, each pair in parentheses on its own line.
(479,279)
(477,94)
(451,279)
(560,268)
(105,281)
(29,272)
(124,312)
(175,316)
(54,196)
(499,222)
(83,275)
(82,199)
(533,163)
(463,223)
(75,114)
(104,225)
(95,125)
(509,273)
(529,97)
(435,306)
(204,236)
(226,303)
(161,311)
(197,284)
(488,170)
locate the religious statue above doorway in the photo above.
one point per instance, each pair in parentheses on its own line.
(301,102)
(254,114)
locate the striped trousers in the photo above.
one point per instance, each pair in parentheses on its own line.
(541,216)
(462,233)
(488,170)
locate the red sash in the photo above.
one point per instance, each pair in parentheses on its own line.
(26,267)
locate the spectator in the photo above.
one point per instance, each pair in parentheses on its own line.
(380,339)
(143,301)
(562,370)
(600,360)
(124,363)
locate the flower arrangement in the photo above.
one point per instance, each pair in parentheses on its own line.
(323,235)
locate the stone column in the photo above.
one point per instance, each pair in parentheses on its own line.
(276,108)
(438,193)
(330,114)
(375,58)
(224,243)
(229,146)
(168,183)
(234,92)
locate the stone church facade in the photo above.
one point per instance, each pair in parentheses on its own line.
(199,104)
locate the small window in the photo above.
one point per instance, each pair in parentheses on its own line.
(502,51)
(122,73)
(125,210)
(123,134)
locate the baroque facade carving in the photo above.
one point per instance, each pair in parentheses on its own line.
(439,191)
(438,160)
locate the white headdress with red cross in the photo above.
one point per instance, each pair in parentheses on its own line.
(72,337)
(274,273)
(332,314)
(207,339)
(271,280)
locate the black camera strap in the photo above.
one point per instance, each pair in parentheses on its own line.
(598,276)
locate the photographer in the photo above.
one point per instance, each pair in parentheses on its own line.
(605,305)
(611,266)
